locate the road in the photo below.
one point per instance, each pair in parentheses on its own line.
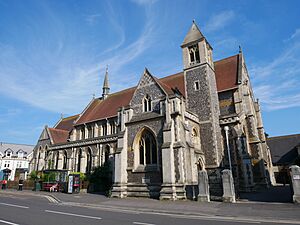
(36,210)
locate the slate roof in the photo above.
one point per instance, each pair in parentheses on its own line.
(284,148)
(27,149)
(193,35)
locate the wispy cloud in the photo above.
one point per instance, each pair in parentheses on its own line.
(60,83)
(92,18)
(294,35)
(276,82)
(219,21)
(144,2)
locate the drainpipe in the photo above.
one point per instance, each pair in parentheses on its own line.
(226,129)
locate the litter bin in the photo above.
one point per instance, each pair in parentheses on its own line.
(37,186)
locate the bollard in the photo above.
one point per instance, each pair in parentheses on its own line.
(295,177)
(228,186)
(203,186)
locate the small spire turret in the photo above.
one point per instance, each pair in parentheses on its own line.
(105,85)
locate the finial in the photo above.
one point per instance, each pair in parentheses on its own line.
(61,115)
(194,21)
(94,95)
(240,49)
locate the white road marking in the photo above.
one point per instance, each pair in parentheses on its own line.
(143,223)
(6,222)
(72,214)
(18,206)
(51,199)
(217,218)
(195,217)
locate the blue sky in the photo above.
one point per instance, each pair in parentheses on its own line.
(53,54)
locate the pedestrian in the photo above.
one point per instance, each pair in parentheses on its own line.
(4,182)
(20,184)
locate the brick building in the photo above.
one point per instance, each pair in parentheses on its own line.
(159,133)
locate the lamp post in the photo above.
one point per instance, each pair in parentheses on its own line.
(226,129)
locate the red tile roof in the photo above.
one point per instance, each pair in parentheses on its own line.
(100,109)
(59,136)
(176,80)
(226,77)
(226,73)
(66,123)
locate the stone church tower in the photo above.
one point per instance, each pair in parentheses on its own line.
(202,95)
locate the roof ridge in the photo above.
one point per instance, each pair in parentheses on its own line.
(225,58)
(283,136)
(51,128)
(2,142)
(70,117)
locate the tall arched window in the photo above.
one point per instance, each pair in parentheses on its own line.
(65,160)
(56,160)
(147,149)
(88,161)
(79,159)
(106,153)
(147,103)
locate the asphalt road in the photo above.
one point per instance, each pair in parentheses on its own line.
(33,210)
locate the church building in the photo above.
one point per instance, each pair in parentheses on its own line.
(160,133)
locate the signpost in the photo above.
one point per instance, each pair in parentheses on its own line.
(70,184)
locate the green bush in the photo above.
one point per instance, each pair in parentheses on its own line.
(33,175)
(101,178)
(49,177)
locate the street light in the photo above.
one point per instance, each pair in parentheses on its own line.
(226,129)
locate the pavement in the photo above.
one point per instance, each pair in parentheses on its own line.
(262,211)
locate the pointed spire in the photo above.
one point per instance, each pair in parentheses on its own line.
(105,84)
(194,34)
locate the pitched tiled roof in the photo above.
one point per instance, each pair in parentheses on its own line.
(66,123)
(59,136)
(226,77)
(100,109)
(226,73)
(284,148)
(176,80)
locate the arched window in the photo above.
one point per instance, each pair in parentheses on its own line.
(106,153)
(56,160)
(194,54)
(79,154)
(147,103)
(65,160)
(88,161)
(147,149)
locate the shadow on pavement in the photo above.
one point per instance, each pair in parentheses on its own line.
(281,194)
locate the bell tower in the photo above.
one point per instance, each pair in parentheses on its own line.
(201,93)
